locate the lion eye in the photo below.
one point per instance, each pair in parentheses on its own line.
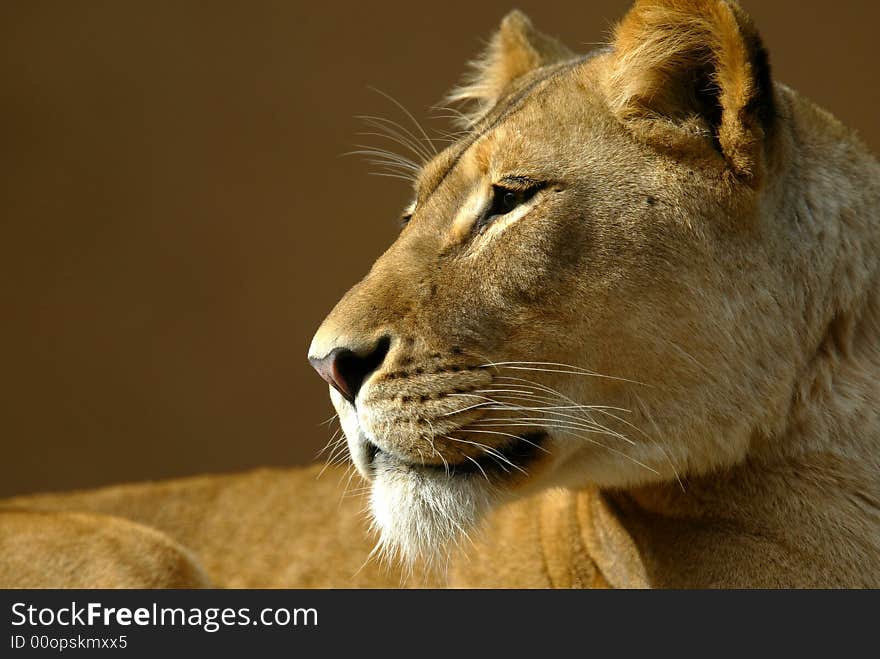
(504,201)
(509,201)
(407,214)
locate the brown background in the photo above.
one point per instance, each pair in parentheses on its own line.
(177,219)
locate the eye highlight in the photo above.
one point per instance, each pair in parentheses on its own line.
(507,195)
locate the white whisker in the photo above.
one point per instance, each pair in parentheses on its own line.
(482,471)
(561,370)
(505,434)
(409,115)
(488,450)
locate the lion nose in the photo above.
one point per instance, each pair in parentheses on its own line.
(346,370)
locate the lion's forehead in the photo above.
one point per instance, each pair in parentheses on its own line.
(541,106)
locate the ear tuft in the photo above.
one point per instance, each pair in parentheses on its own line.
(514,50)
(697,65)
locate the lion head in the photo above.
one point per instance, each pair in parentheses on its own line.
(599,283)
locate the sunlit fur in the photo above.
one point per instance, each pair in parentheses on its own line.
(688,310)
(661,309)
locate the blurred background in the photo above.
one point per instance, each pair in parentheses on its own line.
(177,217)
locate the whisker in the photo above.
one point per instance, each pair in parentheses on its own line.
(329,421)
(333,441)
(597,428)
(615,451)
(554,423)
(685,354)
(350,471)
(409,115)
(337,457)
(562,368)
(482,471)
(528,395)
(646,412)
(489,451)
(572,367)
(393,166)
(382,156)
(506,434)
(390,125)
(401,135)
(408,179)
(447,108)
(391,138)
(434,447)
(552,392)
(486,402)
(577,419)
(501,391)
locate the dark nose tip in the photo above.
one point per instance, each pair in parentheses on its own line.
(346,370)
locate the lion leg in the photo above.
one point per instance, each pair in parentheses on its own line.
(263,528)
(81,550)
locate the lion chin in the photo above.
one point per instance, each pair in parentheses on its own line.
(424,512)
(420,518)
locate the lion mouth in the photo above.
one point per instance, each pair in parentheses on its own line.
(512,458)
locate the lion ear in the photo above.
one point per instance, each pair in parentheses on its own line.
(694,68)
(514,50)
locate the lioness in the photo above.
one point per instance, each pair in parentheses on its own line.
(629,336)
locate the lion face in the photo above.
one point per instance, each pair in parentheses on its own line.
(571,302)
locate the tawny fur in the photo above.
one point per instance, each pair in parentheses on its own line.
(514,50)
(84,550)
(706,238)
